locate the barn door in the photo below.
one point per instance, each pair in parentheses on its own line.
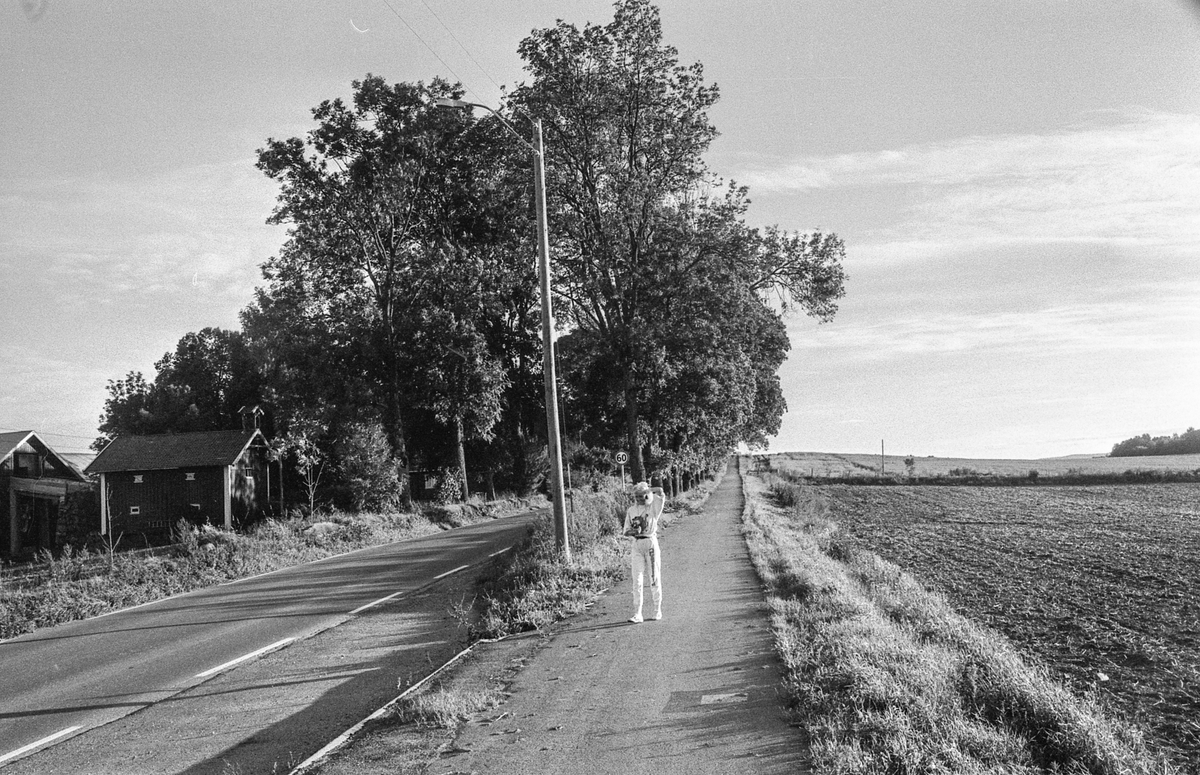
(37,522)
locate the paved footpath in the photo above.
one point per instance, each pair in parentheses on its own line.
(698,692)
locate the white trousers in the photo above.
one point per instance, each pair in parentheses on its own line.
(646,561)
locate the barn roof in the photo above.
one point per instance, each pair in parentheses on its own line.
(173,450)
(13,441)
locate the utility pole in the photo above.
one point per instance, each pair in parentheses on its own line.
(553,438)
(548,372)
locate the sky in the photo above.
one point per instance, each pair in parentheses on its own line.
(1017,183)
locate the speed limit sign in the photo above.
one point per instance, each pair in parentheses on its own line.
(622,458)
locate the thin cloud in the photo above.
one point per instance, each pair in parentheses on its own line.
(182,231)
(1133,181)
(1068,330)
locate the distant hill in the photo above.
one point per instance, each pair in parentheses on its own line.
(1186,443)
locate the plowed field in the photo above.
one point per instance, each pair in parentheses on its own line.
(1102,583)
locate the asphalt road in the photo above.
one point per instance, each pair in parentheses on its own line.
(199,682)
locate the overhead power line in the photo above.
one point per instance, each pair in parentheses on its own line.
(42,432)
(466,51)
(424,43)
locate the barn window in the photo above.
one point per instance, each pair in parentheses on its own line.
(189,477)
(137,478)
(135,510)
(27,464)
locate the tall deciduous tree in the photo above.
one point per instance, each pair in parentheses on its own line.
(649,246)
(405,229)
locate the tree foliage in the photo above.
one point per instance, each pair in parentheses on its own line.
(403,307)
(1186,443)
(200,386)
(672,303)
(401,296)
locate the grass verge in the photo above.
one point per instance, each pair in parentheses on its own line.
(533,587)
(885,677)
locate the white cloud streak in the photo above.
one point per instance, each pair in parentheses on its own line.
(1170,327)
(1132,181)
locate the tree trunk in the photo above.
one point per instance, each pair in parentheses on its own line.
(636,467)
(393,424)
(462,458)
(519,472)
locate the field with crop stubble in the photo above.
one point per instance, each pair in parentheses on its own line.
(866,466)
(1100,582)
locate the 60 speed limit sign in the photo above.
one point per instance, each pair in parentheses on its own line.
(622,458)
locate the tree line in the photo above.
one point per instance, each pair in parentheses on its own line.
(1187,443)
(401,316)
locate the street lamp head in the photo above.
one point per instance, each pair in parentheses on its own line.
(447,102)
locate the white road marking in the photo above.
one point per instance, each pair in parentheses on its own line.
(394,595)
(360,609)
(244,657)
(38,744)
(451,572)
(723,699)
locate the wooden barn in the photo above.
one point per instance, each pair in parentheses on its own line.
(149,483)
(34,482)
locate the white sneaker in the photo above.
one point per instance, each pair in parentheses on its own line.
(657,616)
(636,619)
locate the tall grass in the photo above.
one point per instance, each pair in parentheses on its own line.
(533,587)
(886,678)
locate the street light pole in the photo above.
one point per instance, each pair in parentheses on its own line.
(549,376)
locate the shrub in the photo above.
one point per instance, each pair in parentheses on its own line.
(369,473)
(449,486)
(78,518)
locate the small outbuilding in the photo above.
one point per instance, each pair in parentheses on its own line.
(149,483)
(34,483)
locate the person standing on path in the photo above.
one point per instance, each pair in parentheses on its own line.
(641,523)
